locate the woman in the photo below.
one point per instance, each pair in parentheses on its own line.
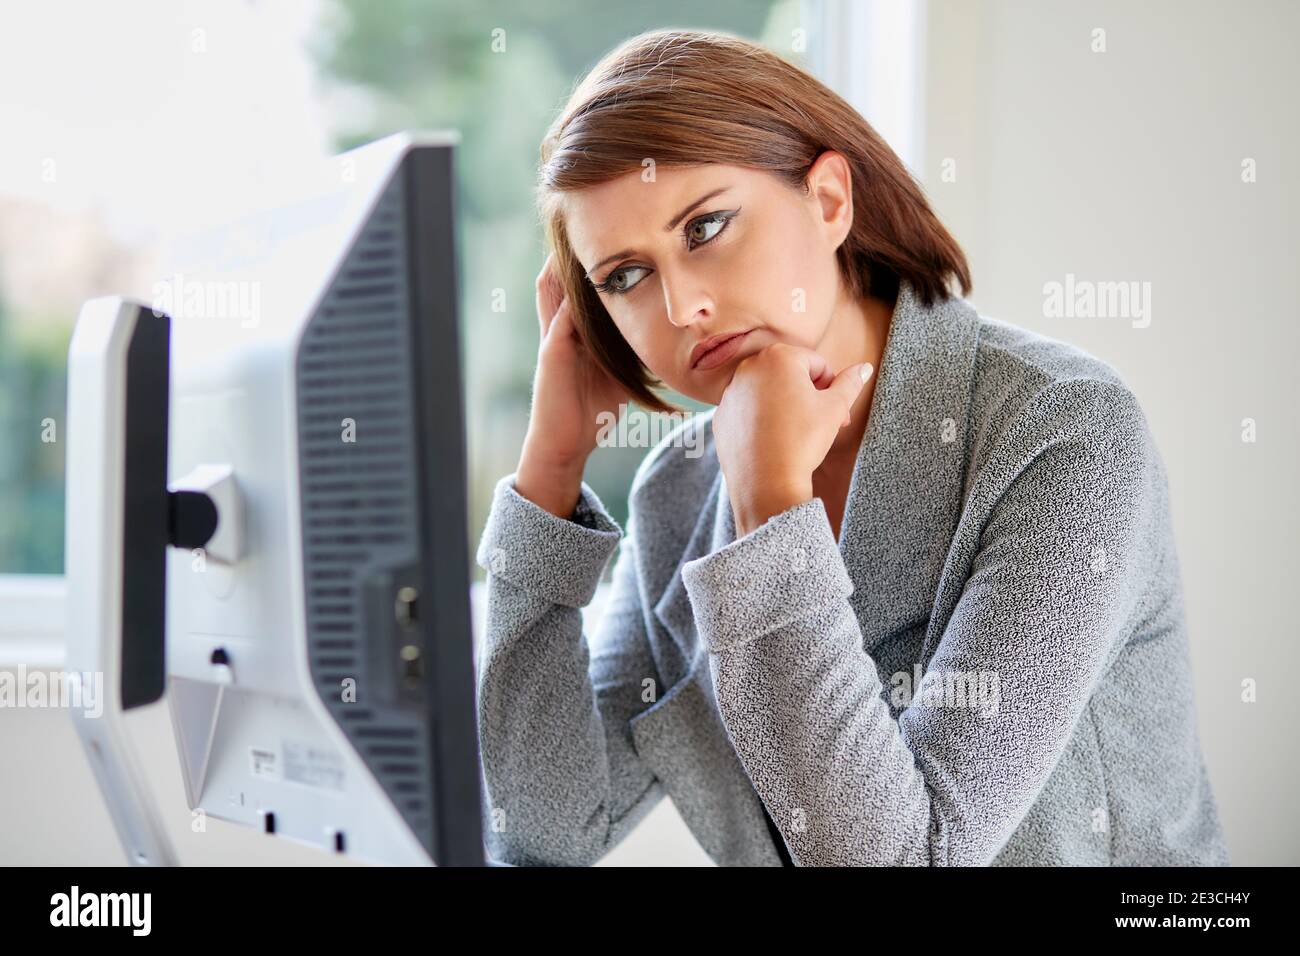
(929,615)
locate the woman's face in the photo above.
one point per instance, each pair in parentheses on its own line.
(706,265)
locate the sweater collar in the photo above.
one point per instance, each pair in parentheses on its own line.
(905,495)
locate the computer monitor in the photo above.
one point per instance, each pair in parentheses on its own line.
(318,654)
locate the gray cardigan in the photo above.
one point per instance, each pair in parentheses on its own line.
(989,667)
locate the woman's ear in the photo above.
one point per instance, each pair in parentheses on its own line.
(830,186)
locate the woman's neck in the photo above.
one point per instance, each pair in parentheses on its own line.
(856,333)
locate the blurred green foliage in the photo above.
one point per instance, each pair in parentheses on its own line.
(33,360)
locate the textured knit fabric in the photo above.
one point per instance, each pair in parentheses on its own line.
(990,666)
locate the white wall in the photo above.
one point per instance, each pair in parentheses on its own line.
(1126,165)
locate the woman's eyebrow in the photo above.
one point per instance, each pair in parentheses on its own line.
(669,227)
(672,223)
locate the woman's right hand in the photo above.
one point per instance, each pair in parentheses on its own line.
(570,393)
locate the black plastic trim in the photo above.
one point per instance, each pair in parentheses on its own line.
(442,476)
(145,532)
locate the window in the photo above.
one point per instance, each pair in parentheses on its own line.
(118,127)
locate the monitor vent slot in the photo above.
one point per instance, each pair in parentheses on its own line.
(359,498)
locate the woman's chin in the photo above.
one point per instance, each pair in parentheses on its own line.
(709,390)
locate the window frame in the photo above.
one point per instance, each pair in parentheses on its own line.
(872,52)
(32,608)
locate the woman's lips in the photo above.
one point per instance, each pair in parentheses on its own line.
(722,348)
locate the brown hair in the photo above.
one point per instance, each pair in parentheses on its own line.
(687,98)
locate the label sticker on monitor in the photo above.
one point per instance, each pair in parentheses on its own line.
(312,766)
(263,763)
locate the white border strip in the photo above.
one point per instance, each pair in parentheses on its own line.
(32,614)
(872,52)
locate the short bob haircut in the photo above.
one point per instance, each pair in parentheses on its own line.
(685,98)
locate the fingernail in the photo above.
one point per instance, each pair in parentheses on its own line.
(865,371)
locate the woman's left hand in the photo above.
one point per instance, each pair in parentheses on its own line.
(774,425)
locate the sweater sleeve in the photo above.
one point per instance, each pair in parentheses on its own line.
(563,783)
(1053,583)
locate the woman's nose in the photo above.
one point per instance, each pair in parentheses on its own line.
(685,301)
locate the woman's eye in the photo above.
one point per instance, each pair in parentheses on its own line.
(618,281)
(702,230)
(707,227)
